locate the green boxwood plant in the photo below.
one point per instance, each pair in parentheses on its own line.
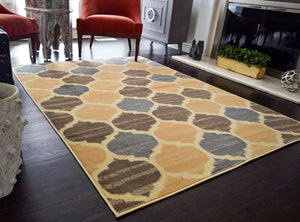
(244,55)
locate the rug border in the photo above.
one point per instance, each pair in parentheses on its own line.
(165,196)
(69,148)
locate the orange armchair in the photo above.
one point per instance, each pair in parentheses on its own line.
(114,18)
(19,27)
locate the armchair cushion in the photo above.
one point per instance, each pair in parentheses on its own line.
(15,25)
(110,25)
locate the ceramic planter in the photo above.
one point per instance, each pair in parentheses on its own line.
(11,128)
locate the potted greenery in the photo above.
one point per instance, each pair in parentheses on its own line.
(242,60)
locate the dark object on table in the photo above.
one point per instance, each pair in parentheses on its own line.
(5,65)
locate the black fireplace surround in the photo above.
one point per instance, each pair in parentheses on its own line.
(275,31)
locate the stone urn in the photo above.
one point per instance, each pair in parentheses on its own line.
(11,128)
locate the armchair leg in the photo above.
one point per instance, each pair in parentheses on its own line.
(91,41)
(33,47)
(129,44)
(79,45)
(137,48)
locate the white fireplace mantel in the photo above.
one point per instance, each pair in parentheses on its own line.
(204,22)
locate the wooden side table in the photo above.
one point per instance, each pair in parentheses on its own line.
(53,21)
(166,21)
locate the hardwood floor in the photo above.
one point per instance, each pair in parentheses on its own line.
(53,187)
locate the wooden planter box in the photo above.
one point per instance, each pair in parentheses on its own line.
(233,65)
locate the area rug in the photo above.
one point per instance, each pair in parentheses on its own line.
(142,131)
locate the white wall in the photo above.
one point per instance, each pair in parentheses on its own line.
(203,23)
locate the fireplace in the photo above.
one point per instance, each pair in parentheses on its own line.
(214,23)
(272,27)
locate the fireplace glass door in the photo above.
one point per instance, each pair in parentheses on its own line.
(272,31)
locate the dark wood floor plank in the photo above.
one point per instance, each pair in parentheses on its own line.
(53,187)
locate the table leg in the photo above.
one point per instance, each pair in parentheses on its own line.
(67,35)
